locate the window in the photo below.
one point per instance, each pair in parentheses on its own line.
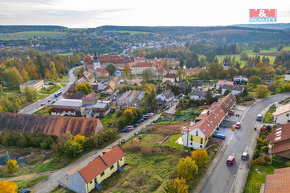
(102,174)
(200,146)
(201,140)
(196,133)
(287,115)
(121,159)
(191,138)
(112,167)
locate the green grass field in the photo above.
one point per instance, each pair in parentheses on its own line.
(22,184)
(130,32)
(51,89)
(257,177)
(268,115)
(43,111)
(32,34)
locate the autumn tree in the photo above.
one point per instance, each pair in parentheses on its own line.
(261,91)
(255,80)
(12,166)
(72,148)
(147,75)
(148,101)
(8,187)
(214,69)
(85,88)
(52,69)
(1,90)
(13,77)
(176,186)
(31,94)
(285,87)
(80,139)
(200,157)
(187,169)
(126,70)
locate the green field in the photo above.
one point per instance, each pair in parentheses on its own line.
(43,111)
(22,184)
(257,177)
(274,49)
(268,115)
(31,34)
(51,89)
(130,32)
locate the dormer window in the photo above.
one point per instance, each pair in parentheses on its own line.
(196,133)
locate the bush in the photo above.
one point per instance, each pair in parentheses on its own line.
(287,164)
(133,147)
(277,162)
(259,161)
(146,151)
(269,128)
(256,154)
(265,149)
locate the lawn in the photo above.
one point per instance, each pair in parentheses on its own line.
(42,96)
(43,111)
(130,32)
(63,85)
(22,184)
(257,177)
(268,115)
(12,90)
(109,119)
(51,89)
(34,34)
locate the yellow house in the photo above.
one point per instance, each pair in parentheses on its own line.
(32,84)
(91,176)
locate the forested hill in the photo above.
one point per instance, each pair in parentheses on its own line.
(277,26)
(22,28)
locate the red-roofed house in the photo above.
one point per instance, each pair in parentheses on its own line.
(91,176)
(171,77)
(196,136)
(98,72)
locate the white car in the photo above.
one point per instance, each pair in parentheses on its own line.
(245,156)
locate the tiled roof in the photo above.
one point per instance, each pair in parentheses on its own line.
(103,71)
(142,65)
(199,93)
(114,59)
(281,147)
(282,109)
(170,75)
(279,182)
(222,82)
(280,133)
(98,165)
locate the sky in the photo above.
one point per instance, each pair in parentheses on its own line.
(94,13)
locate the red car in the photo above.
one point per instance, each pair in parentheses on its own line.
(238,125)
(231,160)
(42,104)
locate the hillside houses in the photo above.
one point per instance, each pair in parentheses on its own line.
(170,77)
(90,177)
(166,96)
(50,125)
(131,98)
(197,135)
(282,114)
(234,89)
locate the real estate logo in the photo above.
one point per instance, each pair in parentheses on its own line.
(263,15)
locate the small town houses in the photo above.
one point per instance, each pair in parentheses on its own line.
(197,134)
(282,114)
(166,96)
(90,177)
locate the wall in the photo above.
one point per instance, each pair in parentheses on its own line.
(77,183)
(282,118)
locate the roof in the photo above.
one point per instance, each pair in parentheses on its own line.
(170,75)
(142,65)
(103,71)
(192,70)
(31,82)
(100,105)
(73,95)
(114,59)
(88,77)
(199,93)
(101,163)
(222,82)
(279,182)
(281,110)
(168,94)
(280,133)
(49,125)
(68,103)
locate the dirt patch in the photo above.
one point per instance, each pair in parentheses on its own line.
(27,177)
(169,129)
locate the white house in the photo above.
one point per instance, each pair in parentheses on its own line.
(167,96)
(235,89)
(198,95)
(170,77)
(282,114)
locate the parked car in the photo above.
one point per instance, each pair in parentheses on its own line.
(238,125)
(166,108)
(245,156)
(123,140)
(26,191)
(135,125)
(219,136)
(125,130)
(42,104)
(259,117)
(223,125)
(231,160)
(145,117)
(138,121)
(150,115)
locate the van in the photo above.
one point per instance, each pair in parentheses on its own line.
(259,117)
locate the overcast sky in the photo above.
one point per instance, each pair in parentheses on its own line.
(93,13)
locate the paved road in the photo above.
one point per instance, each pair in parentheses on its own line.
(37,105)
(50,182)
(222,177)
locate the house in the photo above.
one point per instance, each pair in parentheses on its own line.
(235,89)
(140,67)
(170,77)
(98,72)
(282,114)
(50,125)
(279,181)
(222,82)
(87,77)
(113,59)
(287,76)
(240,80)
(100,109)
(90,177)
(166,96)
(280,141)
(198,95)
(69,107)
(197,85)
(33,85)
(197,134)
(73,95)
(112,85)
(192,71)
(131,98)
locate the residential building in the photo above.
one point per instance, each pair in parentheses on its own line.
(50,125)
(90,177)
(113,59)
(166,96)
(282,114)
(235,89)
(197,134)
(279,182)
(287,76)
(86,77)
(131,98)
(280,141)
(98,72)
(222,82)
(170,77)
(100,109)
(69,107)
(197,85)
(192,71)
(240,80)
(198,95)
(111,86)
(32,84)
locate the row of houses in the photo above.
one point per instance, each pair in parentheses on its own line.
(282,114)
(197,134)
(90,177)
(225,85)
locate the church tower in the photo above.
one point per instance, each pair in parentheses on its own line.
(96,62)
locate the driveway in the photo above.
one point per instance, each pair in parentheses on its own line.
(50,182)
(37,105)
(222,177)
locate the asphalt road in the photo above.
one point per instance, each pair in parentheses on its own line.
(48,184)
(222,177)
(37,105)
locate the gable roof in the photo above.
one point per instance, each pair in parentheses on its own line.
(101,163)
(102,71)
(170,75)
(280,133)
(222,82)
(168,93)
(199,93)
(281,110)
(279,182)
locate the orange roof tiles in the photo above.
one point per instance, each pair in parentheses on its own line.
(113,156)
(280,133)
(279,182)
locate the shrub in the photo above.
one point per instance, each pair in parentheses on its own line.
(277,162)
(287,164)
(259,161)
(269,128)
(256,154)
(146,151)
(134,147)
(12,166)
(265,149)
